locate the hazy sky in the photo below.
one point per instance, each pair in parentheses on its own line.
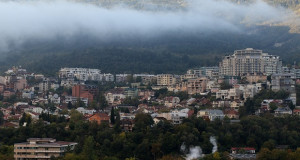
(22,21)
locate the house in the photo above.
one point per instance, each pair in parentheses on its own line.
(175,116)
(115,96)
(100,118)
(248,150)
(211,114)
(159,119)
(8,92)
(127,125)
(55,99)
(171,101)
(283,111)
(85,111)
(296,112)
(247,153)
(232,114)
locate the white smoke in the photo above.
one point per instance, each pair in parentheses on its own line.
(193,152)
(183,148)
(26,20)
(213,141)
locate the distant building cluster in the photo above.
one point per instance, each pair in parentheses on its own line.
(212,93)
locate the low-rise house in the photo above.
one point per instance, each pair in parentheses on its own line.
(8,92)
(222,94)
(115,96)
(175,116)
(171,101)
(127,125)
(211,114)
(178,116)
(55,99)
(236,104)
(100,118)
(86,111)
(34,109)
(221,104)
(232,114)
(296,112)
(247,153)
(28,94)
(283,111)
(127,116)
(159,119)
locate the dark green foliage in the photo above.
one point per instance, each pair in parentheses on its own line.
(131,101)
(168,53)
(1,118)
(148,140)
(112,115)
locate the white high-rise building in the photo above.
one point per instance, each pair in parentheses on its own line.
(83,74)
(250,61)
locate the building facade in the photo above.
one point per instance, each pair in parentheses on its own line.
(166,79)
(250,61)
(41,148)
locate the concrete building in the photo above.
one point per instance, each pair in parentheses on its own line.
(284,82)
(196,85)
(121,77)
(44,86)
(73,100)
(85,91)
(210,72)
(146,78)
(211,114)
(41,148)
(80,73)
(250,61)
(166,80)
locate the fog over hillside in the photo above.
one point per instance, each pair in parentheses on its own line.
(22,21)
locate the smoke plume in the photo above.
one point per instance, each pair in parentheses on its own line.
(192,152)
(213,141)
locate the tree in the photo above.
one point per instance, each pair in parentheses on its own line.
(112,115)
(79,103)
(102,101)
(1,118)
(117,126)
(25,118)
(88,148)
(142,121)
(51,107)
(70,106)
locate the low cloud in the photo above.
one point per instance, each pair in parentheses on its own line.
(26,20)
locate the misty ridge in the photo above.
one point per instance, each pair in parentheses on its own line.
(23,21)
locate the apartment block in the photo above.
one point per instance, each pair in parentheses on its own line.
(41,148)
(250,61)
(166,80)
(196,85)
(284,82)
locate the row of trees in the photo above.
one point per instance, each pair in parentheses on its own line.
(149,141)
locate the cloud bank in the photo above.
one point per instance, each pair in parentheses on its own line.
(26,20)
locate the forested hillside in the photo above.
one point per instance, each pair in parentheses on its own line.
(173,53)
